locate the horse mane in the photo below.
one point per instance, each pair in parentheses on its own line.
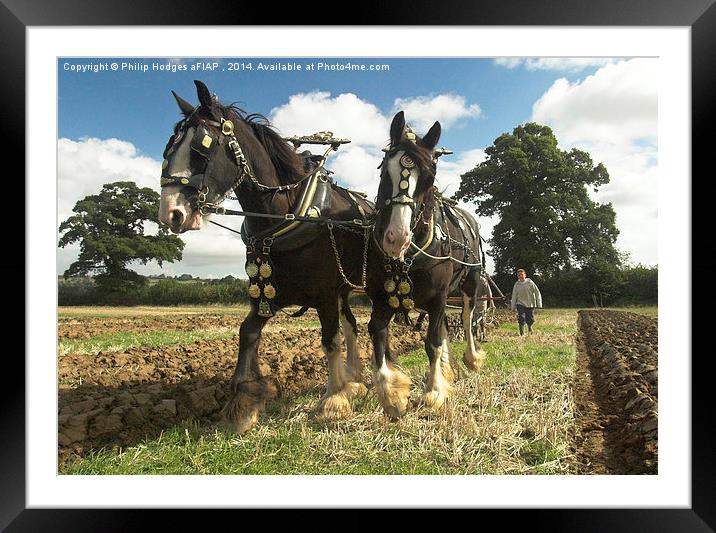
(288,164)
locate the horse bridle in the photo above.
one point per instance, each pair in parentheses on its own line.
(402,197)
(205,143)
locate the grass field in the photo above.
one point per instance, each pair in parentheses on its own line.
(513,417)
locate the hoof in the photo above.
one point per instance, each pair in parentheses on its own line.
(241,412)
(434,399)
(395,412)
(393,390)
(334,407)
(476,362)
(355,390)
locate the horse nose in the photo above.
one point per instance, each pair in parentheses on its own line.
(390,236)
(176,220)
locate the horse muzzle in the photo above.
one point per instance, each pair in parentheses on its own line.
(396,242)
(176,212)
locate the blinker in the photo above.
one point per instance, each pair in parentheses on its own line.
(203,143)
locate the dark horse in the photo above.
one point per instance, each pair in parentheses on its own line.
(217,149)
(424,249)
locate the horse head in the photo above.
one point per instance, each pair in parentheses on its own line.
(406,182)
(216,149)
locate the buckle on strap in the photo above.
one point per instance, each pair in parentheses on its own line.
(227,127)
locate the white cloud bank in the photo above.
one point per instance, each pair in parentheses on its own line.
(568,64)
(346,115)
(612,115)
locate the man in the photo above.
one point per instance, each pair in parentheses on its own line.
(525,298)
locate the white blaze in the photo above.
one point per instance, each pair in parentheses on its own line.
(400,216)
(172,201)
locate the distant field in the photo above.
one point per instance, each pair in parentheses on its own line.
(141,311)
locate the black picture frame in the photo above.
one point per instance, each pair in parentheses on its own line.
(17,15)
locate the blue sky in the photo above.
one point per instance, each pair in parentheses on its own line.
(114,124)
(138,106)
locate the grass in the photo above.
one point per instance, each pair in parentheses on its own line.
(123,340)
(512,417)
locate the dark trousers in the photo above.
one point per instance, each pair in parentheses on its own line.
(524,316)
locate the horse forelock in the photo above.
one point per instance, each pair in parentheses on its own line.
(423,159)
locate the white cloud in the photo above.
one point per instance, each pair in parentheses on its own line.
(450,167)
(421,112)
(612,115)
(85,165)
(356,167)
(345,115)
(569,64)
(617,104)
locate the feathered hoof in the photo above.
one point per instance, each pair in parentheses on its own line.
(355,389)
(434,399)
(395,411)
(475,363)
(241,412)
(334,407)
(393,390)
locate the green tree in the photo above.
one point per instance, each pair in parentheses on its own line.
(109,227)
(548,223)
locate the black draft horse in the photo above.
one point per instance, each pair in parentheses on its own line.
(217,149)
(424,248)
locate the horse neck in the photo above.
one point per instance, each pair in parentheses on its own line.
(251,196)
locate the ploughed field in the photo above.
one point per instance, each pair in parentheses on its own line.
(616,393)
(141,391)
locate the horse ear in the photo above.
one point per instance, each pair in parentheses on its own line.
(185,106)
(397,127)
(432,136)
(204,95)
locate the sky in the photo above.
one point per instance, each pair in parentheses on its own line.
(113,125)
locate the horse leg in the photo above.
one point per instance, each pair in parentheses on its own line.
(336,402)
(354,368)
(392,386)
(438,384)
(474,354)
(249,389)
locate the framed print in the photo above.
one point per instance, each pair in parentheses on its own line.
(98,96)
